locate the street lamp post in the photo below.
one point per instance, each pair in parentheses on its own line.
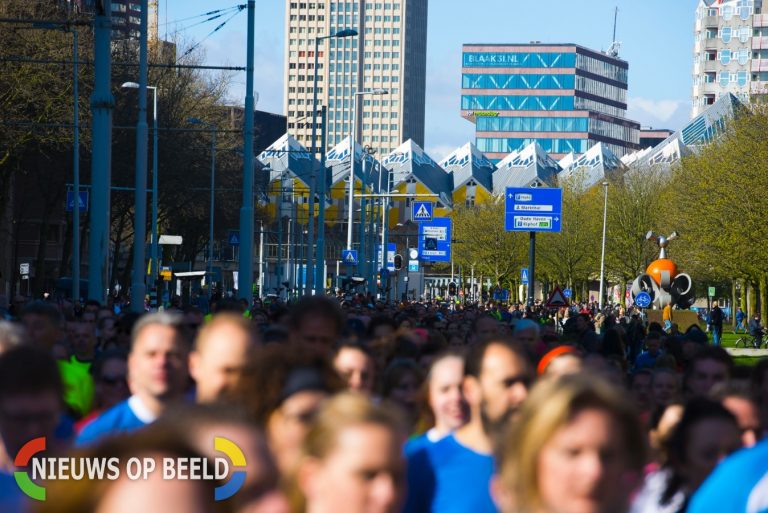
(154,247)
(212,127)
(602,256)
(319,280)
(352,143)
(138,284)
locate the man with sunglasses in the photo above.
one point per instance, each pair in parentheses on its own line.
(110,377)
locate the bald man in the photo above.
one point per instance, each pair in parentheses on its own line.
(222,349)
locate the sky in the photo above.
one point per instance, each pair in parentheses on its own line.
(656,39)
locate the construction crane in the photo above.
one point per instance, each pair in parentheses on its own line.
(613,50)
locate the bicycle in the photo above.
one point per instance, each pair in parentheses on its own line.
(751,341)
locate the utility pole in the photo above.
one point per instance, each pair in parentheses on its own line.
(102,103)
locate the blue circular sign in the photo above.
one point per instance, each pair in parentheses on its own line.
(643,300)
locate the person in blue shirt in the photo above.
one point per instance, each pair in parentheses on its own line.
(454,474)
(647,359)
(740,318)
(447,408)
(31,407)
(738,485)
(157,374)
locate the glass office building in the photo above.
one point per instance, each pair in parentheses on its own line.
(563,96)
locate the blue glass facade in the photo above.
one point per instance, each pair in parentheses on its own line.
(508,145)
(519,81)
(499,102)
(566,78)
(519,60)
(510,124)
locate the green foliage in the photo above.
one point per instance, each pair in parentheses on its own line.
(573,255)
(484,244)
(634,204)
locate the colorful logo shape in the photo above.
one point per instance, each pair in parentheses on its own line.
(237,458)
(25,483)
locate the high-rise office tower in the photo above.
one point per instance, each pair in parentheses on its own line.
(730,51)
(565,97)
(388,53)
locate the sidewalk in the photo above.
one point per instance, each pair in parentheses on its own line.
(739,351)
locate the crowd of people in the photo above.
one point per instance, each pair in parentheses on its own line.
(362,406)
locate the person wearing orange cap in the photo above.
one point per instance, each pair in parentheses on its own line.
(560,361)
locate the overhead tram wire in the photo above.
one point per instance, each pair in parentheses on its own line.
(218,27)
(236,9)
(209,13)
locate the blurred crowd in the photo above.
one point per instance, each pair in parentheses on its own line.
(356,406)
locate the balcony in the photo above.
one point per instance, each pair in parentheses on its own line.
(758,88)
(711,43)
(760,65)
(759,42)
(760,20)
(711,65)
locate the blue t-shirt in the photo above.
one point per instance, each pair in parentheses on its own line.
(646,360)
(447,477)
(416,444)
(738,485)
(12,499)
(121,418)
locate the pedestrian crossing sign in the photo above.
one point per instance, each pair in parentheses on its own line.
(349,256)
(422,210)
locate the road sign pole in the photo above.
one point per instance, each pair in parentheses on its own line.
(245,269)
(75,177)
(531,268)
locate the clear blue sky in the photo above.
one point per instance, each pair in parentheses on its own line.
(656,37)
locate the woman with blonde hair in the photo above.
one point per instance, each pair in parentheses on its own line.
(577,447)
(352,459)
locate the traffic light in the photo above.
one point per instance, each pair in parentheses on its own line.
(452,289)
(398,262)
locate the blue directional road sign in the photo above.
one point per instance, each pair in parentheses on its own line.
(234,238)
(83,201)
(524,276)
(533,209)
(422,211)
(391,250)
(643,300)
(500,294)
(435,240)
(567,293)
(349,256)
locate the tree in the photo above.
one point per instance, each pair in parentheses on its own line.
(634,208)
(718,195)
(572,256)
(484,244)
(36,98)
